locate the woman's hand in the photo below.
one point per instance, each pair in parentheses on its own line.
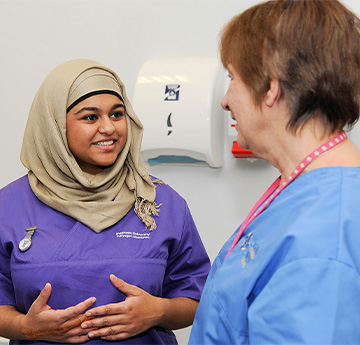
(139,312)
(43,323)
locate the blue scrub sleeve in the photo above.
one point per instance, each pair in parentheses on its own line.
(308,301)
(188,264)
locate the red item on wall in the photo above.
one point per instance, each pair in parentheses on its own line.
(239,152)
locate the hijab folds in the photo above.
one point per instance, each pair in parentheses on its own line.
(101,200)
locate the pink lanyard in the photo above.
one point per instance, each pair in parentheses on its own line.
(276,188)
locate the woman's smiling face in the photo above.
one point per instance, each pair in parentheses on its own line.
(96,130)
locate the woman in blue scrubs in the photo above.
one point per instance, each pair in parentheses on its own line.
(291,273)
(92,248)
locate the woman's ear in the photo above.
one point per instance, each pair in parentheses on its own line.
(273,93)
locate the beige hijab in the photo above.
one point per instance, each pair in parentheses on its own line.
(100,200)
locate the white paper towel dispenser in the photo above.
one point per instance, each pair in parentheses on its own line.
(178,100)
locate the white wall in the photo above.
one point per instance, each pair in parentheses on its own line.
(36,35)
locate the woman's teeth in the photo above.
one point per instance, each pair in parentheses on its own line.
(105,143)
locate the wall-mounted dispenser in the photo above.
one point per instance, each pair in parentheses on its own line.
(178,100)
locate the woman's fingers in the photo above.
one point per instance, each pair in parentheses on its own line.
(41,301)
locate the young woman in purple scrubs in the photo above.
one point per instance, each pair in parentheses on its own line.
(93,248)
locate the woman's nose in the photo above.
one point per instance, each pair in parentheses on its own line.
(106,126)
(224,103)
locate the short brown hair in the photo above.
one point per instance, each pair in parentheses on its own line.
(312,47)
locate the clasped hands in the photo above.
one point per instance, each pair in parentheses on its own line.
(139,312)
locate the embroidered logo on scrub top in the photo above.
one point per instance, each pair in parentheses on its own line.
(249,249)
(132,234)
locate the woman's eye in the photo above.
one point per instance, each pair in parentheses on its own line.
(117,114)
(91,117)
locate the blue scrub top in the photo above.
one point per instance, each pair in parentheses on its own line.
(293,278)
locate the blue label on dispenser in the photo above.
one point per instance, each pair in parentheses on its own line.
(172,92)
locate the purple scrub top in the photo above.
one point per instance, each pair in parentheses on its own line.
(168,262)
